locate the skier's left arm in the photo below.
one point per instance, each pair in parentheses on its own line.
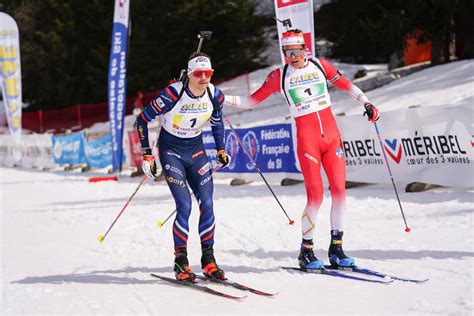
(336,78)
(217,127)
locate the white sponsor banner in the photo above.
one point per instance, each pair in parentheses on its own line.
(300,12)
(36,151)
(430,145)
(10,75)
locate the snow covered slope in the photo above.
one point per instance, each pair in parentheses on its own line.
(52,262)
(445,85)
(450,84)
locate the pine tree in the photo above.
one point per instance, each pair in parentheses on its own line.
(65,45)
(366,31)
(162,42)
(370,30)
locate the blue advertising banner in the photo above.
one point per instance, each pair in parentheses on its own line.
(271,147)
(69,149)
(117,83)
(98,153)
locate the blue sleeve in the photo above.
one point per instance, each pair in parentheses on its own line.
(159,105)
(217,123)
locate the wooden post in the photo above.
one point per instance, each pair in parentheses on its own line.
(78,107)
(40,119)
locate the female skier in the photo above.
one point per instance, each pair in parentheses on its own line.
(184,109)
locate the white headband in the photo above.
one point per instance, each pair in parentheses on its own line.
(199,62)
(291,38)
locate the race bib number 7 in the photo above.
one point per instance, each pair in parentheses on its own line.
(190,122)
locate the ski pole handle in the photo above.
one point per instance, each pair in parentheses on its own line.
(202,36)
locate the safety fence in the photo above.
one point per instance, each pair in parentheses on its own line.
(81,116)
(73,118)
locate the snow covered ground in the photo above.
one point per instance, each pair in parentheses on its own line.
(449,84)
(52,262)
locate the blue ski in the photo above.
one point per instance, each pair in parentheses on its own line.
(356,269)
(337,274)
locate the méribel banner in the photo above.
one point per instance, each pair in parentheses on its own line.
(300,13)
(426,144)
(117,80)
(10,74)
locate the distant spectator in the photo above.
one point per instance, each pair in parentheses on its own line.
(138,104)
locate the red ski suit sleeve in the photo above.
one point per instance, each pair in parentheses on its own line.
(270,86)
(273,85)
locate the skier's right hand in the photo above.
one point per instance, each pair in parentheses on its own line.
(223,159)
(149,164)
(371,111)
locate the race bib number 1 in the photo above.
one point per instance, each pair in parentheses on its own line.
(306,93)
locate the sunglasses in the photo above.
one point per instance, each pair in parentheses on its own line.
(295,52)
(206,73)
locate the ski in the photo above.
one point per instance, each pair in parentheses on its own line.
(198,287)
(338,274)
(235,285)
(356,269)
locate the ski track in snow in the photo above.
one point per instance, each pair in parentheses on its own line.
(53,263)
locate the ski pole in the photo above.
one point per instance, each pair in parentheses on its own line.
(286,23)
(161,223)
(203,35)
(256,167)
(407,229)
(102,237)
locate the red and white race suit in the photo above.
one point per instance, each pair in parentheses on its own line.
(318,138)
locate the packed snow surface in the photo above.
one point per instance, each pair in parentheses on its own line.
(52,262)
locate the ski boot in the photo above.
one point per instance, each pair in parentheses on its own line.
(181,266)
(337,258)
(209,266)
(307,259)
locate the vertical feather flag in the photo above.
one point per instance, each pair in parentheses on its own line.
(117,82)
(10,77)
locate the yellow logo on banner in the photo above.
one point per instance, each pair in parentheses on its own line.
(16,122)
(7,52)
(8,55)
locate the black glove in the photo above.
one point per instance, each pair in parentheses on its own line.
(372,112)
(223,159)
